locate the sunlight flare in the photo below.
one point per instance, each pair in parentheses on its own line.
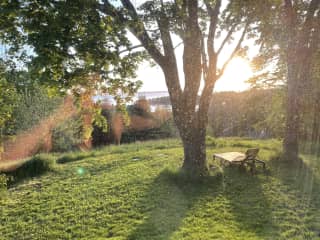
(235,76)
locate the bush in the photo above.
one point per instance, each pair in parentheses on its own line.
(33,105)
(166,130)
(67,136)
(36,166)
(3,183)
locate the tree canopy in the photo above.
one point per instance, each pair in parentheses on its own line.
(67,43)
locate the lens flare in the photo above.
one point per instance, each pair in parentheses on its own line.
(80,170)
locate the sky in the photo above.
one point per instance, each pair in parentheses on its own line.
(233,80)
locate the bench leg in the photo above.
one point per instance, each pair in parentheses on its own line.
(221,162)
(242,165)
(262,162)
(253,168)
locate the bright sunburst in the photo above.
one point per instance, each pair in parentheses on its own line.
(235,75)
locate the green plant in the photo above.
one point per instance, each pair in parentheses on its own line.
(3,182)
(67,136)
(36,166)
(33,105)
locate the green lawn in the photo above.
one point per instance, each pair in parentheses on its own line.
(135,191)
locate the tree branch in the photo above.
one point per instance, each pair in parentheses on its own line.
(290,14)
(307,25)
(213,13)
(204,60)
(178,45)
(234,51)
(314,4)
(130,49)
(163,24)
(136,26)
(225,40)
(171,61)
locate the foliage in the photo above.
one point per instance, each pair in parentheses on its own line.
(8,98)
(167,129)
(143,124)
(276,33)
(140,108)
(67,44)
(290,41)
(135,191)
(33,106)
(310,113)
(3,183)
(67,136)
(253,113)
(101,136)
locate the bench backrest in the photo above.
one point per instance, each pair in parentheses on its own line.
(252,153)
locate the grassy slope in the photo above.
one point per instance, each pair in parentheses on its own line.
(135,192)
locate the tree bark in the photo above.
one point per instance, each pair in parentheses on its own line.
(194,147)
(315,134)
(299,55)
(291,139)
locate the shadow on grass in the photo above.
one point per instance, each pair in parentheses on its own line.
(34,167)
(78,156)
(296,174)
(249,204)
(71,158)
(303,183)
(172,196)
(166,203)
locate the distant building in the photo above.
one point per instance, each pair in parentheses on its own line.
(153,94)
(140,95)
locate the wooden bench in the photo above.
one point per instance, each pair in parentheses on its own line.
(237,158)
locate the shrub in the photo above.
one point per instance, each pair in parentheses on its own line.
(3,183)
(36,166)
(33,105)
(67,136)
(166,130)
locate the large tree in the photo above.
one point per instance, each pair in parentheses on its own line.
(197,25)
(303,31)
(289,40)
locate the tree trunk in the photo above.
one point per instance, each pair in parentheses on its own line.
(302,41)
(298,67)
(315,134)
(194,147)
(291,139)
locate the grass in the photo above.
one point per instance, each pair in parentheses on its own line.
(136,191)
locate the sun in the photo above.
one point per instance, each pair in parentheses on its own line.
(235,76)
